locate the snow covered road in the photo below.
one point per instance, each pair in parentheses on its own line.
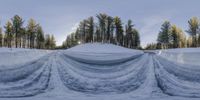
(105,72)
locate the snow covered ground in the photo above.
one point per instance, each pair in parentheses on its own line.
(99,72)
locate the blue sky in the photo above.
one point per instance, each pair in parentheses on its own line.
(61,17)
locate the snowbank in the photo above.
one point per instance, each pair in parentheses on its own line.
(183,55)
(15,56)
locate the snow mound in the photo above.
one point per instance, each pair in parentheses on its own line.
(98,53)
(101,48)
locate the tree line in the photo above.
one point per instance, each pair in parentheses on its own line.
(171,36)
(106,29)
(17,35)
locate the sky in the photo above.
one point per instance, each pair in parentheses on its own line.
(61,17)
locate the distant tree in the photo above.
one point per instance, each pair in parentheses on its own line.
(193,30)
(102,25)
(17,23)
(48,41)
(8,34)
(52,42)
(198,38)
(1,38)
(119,30)
(136,39)
(31,31)
(189,42)
(98,34)
(109,29)
(82,30)
(90,29)
(151,46)
(40,40)
(24,37)
(177,37)
(129,39)
(163,36)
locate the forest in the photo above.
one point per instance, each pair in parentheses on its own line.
(108,29)
(101,28)
(17,35)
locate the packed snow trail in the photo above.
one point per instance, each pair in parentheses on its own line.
(104,72)
(92,78)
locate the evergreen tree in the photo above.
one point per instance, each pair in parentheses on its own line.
(82,30)
(8,34)
(128,40)
(119,31)
(98,34)
(194,30)
(52,42)
(90,29)
(31,31)
(17,23)
(40,40)
(47,41)
(163,36)
(109,29)
(136,39)
(102,25)
(24,37)
(177,37)
(1,38)
(189,42)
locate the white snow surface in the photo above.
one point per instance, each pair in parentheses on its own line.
(99,72)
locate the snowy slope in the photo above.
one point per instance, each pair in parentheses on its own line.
(99,71)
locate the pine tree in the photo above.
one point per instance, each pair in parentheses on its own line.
(90,29)
(119,31)
(174,36)
(82,30)
(136,43)
(1,38)
(98,34)
(194,30)
(32,30)
(47,41)
(24,37)
(17,23)
(8,34)
(102,26)
(40,38)
(128,39)
(189,42)
(52,42)
(163,36)
(109,29)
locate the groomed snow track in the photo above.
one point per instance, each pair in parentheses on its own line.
(103,72)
